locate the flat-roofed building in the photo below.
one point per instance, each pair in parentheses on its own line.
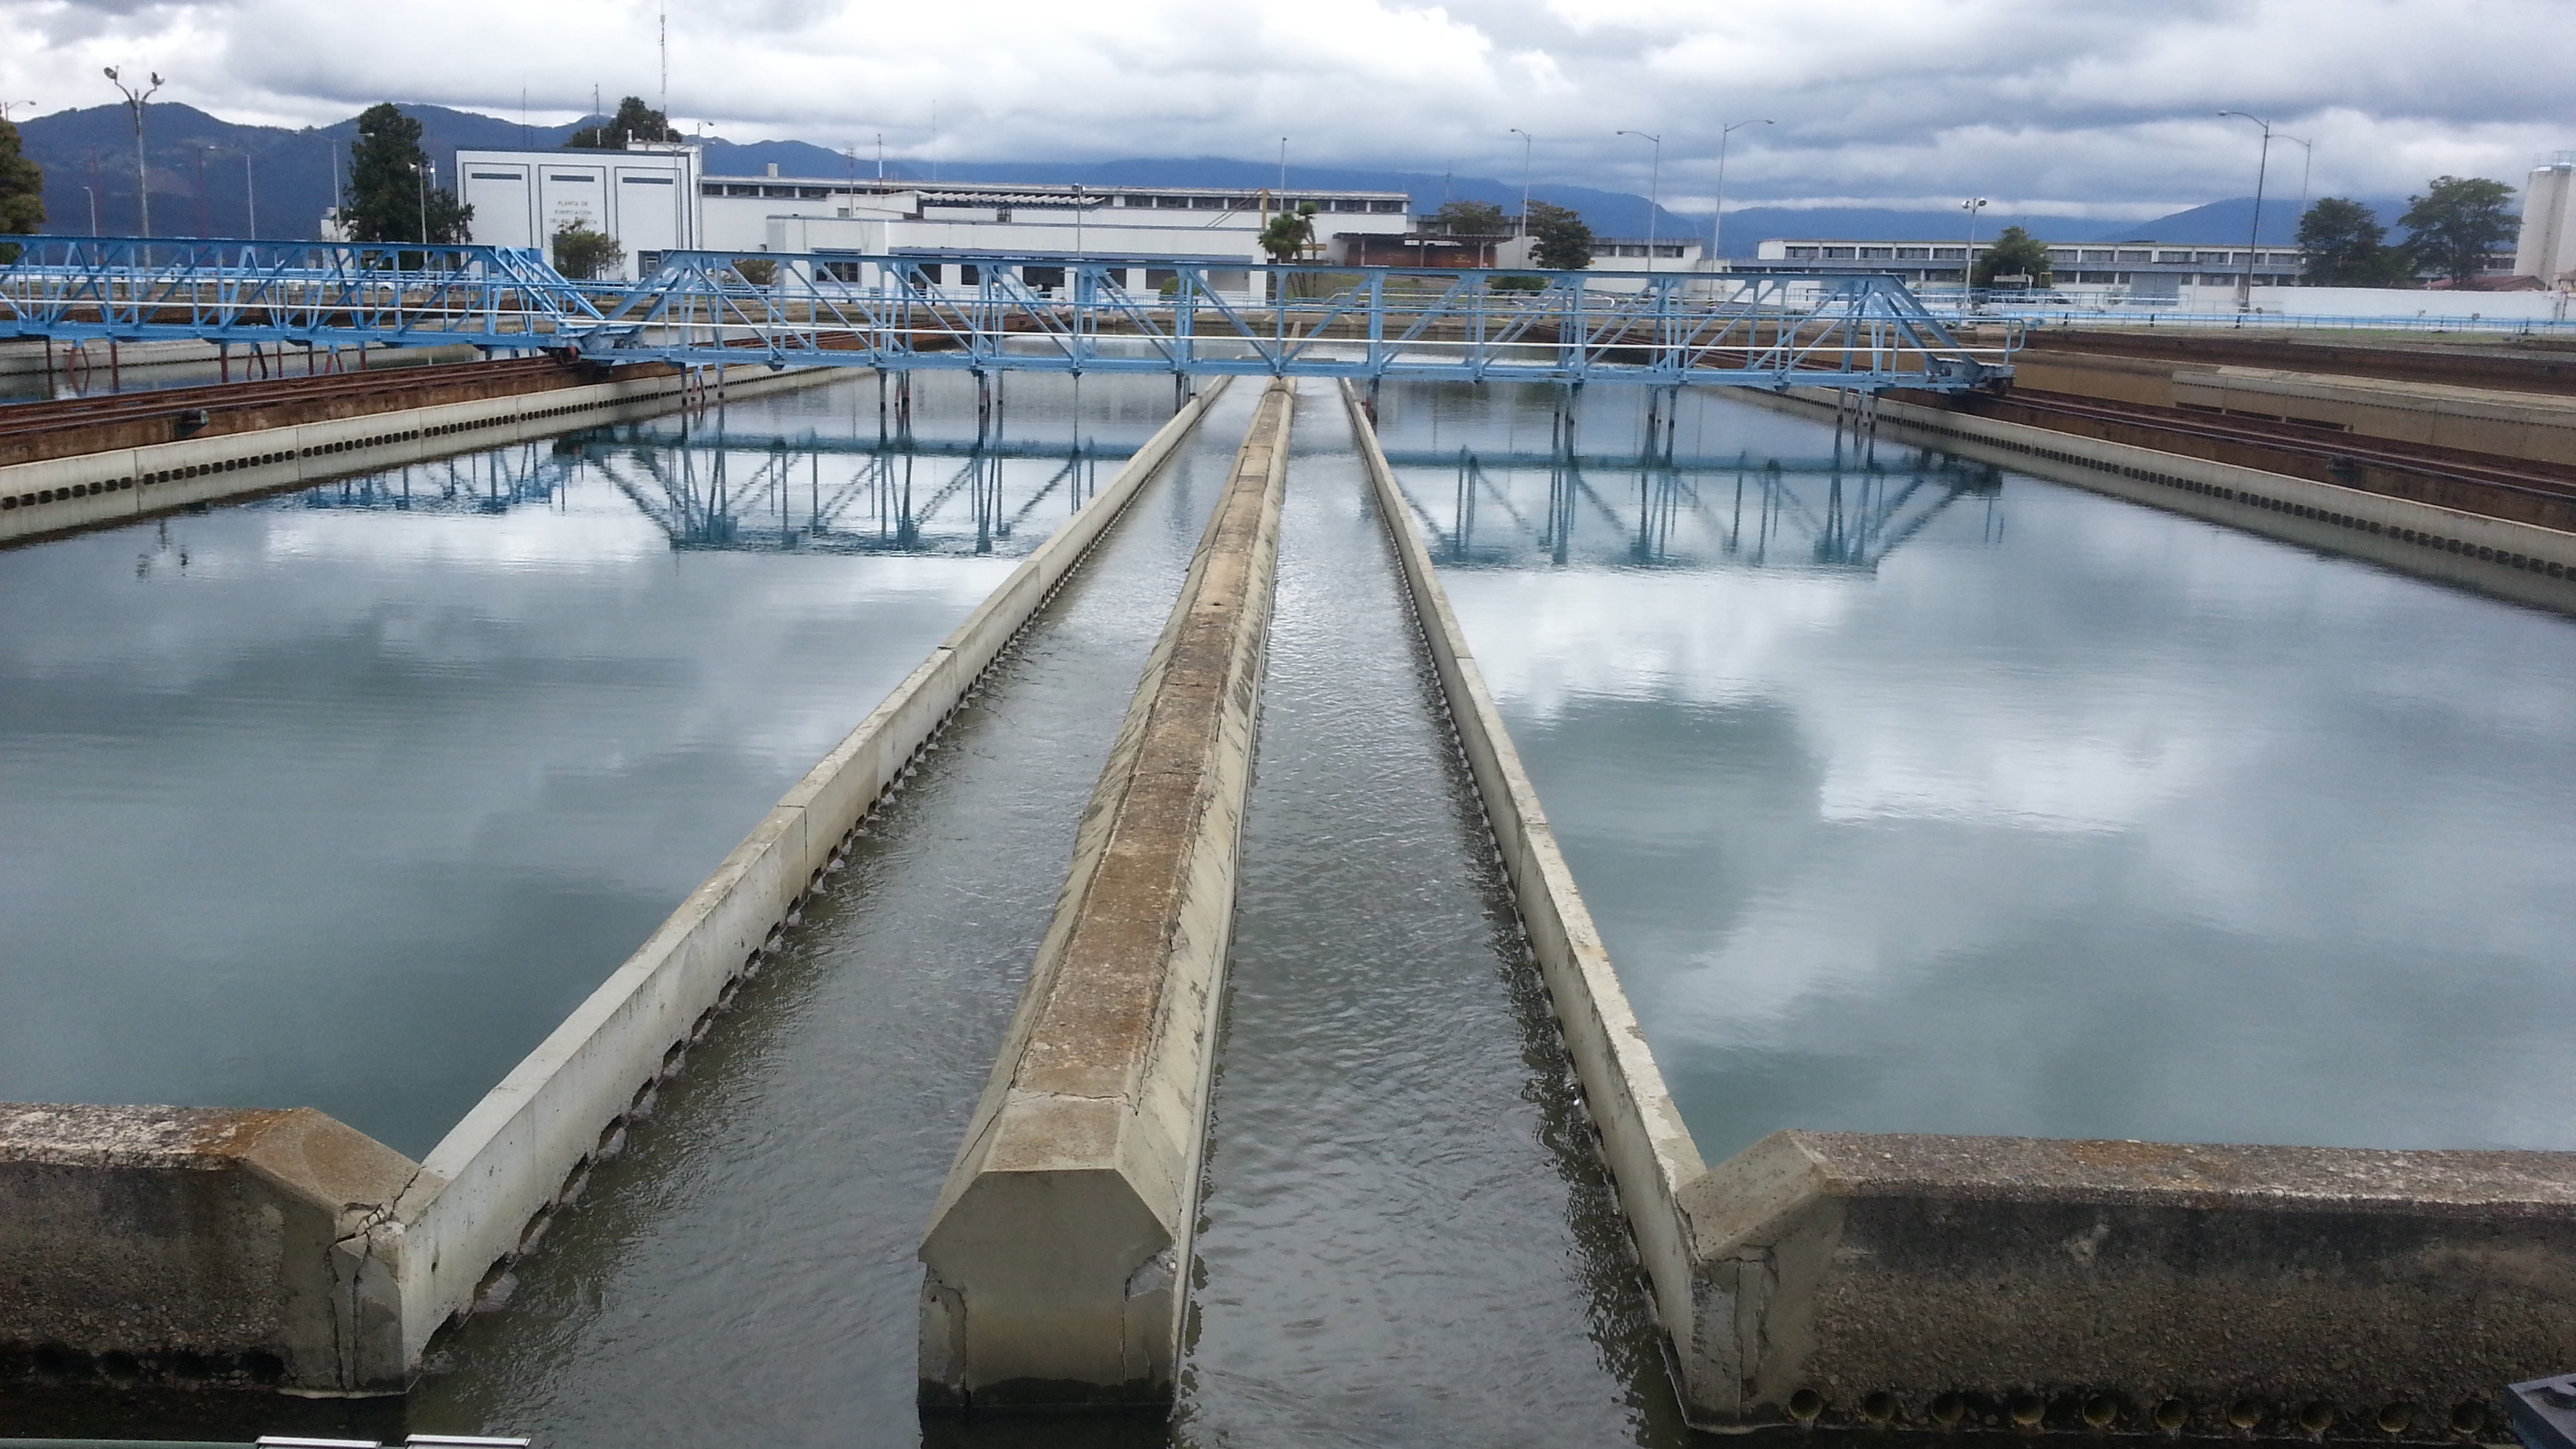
(533,194)
(2187,276)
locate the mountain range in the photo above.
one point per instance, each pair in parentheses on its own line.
(207,173)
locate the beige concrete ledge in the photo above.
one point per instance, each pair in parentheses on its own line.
(411,1245)
(2140,1286)
(1057,1263)
(119,485)
(2519,561)
(194,1244)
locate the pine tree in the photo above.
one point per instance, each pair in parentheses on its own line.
(1564,243)
(2016,253)
(22,191)
(387,174)
(2346,246)
(634,121)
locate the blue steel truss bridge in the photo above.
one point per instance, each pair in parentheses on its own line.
(986,313)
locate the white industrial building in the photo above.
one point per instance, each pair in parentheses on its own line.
(657,199)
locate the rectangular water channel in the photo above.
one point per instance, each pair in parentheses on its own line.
(1913,795)
(343,797)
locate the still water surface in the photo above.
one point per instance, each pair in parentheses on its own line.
(343,797)
(1915,796)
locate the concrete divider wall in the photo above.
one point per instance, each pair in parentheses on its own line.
(2495,555)
(190,1240)
(1058,1258)
(118,485)
(1651,1154)
(500,1170)
(1948,1282)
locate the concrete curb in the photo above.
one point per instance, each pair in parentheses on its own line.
(1651,1155)
(1057,1262)
(120,485)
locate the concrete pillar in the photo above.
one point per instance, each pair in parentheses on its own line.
(1058,1257)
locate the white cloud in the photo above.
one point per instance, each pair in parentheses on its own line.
(2109,108)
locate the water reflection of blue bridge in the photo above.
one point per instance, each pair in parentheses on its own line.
(1107,314)
(1837,513)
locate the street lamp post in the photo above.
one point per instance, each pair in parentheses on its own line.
(250,196)
(93,209)
(420,171)
(1968,259)
(1526,142)
(1717,219)
(142,178)
(2262,166)
(1654,191)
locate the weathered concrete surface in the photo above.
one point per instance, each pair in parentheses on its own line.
(198,1243)
(2281,1289)
(1058,1257)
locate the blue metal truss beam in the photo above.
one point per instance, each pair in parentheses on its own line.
(1019,313)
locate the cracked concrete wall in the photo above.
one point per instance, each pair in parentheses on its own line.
(1058,1257)
(1942,1281)
(198,1243)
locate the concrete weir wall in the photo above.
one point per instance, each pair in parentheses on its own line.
(1057,1262)
(2519,561)
(119,485)
(307,1256)
(1949,1282)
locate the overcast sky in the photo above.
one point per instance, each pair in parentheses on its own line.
(2106,107)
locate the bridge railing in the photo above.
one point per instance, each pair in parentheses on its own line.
(996,311)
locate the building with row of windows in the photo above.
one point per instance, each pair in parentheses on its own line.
(2188,277)
(657,199)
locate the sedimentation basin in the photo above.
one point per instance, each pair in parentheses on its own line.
(1398,1162)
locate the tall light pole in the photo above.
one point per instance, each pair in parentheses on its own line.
(142,178)
(2307,160)
(2245,289)
(1968,263)
(1717,219)
(420,169)
(1654,191)
(93,209)
(1526,142)
(5,105)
